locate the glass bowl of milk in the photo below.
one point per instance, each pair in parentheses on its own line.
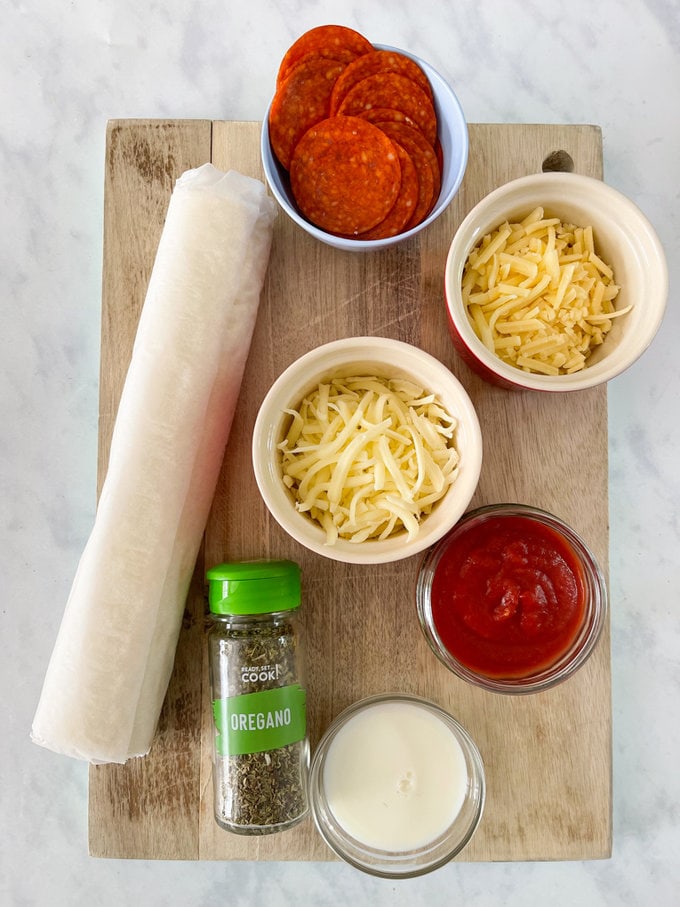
(396,786)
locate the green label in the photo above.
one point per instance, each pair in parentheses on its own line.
(257,722)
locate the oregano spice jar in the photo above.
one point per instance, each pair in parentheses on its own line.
(256,651)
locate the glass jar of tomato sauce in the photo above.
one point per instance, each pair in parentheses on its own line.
(511,599)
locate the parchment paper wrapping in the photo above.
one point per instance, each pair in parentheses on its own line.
(112,660)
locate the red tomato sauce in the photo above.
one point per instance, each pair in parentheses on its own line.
(508,596)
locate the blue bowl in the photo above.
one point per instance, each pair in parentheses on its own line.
(453,138)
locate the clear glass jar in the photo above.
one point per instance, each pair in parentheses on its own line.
(256,653)
(397,786)
(439,579)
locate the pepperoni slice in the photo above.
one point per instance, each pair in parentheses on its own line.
(336,42)
(404,207)
(371,63)
(300,101)
(390,89)
(345,175)
(425,161)
(386,115)
(412,139)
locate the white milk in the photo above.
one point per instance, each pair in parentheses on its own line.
(395,776)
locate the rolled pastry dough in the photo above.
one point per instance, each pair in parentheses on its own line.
(112,660)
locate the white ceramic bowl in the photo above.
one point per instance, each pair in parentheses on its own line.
(626,241)
(368,355)
(453,137)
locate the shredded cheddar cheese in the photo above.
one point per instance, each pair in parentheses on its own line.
(367,457)
(538,295)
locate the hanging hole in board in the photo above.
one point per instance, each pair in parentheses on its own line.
(560,161)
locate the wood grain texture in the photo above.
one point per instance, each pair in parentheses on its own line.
(548,756)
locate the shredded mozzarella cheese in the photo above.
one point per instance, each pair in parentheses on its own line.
(538,295)
(367,457)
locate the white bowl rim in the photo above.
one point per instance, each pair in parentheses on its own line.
(472,227)
(402,357)
(271,167)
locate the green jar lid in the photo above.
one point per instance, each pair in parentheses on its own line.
(253,587)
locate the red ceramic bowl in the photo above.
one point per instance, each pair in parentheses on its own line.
(624,238)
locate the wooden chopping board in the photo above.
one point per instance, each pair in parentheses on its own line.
(547,756)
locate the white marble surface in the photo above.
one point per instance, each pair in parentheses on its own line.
(68,67)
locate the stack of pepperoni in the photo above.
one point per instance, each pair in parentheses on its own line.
(357,130)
